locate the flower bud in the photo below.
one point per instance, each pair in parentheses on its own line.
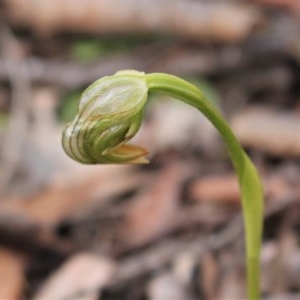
(109,114)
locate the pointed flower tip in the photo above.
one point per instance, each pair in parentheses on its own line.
(131,154)
(141,160)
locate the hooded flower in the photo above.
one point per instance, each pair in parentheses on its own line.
(109,114)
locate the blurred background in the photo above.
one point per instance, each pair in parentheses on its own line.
(171,229)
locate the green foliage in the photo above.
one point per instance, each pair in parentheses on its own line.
(69,106)
(90,49)
(86,50)
(4,119)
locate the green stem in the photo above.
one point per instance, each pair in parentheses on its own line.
(249,181)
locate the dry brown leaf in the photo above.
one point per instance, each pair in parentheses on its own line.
(81,277)
(232,282)
(153,212)
(217,188)
(225,188)
(194,20)
(277,187)
(12,278)
(66,196)
(276,133)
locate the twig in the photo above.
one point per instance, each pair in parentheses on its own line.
(20,96)
(157,58)
(159,256)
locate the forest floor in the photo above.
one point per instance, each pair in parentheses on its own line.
(171,229)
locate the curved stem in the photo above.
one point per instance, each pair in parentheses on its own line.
(249,181)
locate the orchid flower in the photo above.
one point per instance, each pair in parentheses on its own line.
(110,113)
